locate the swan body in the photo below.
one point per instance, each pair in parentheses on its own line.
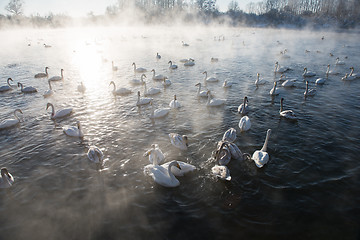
(164,176)
(229,135)
(113,67)
(142,101)
(166,82)
(320,81)
(138,81)
(274,91)
(227,84)
(179,141)
(49,92)
(8,123)
(155,155)
(244,108)
(223,154)
(158,56)
(58,78)
(42,75)
(73,131)
(27,89)
(289,83)
(95,154)
(151,91)
(159,112)
(212,79)
(214,102)
(189,63)
(261,157)
(309,92)
(279,69)
(172,66)
(221,172)
(199,92)
(244,124)
(259,81)
(8,87)
(6,179)
(120,91)
(60,113)
(174,103)
(81,88)
(289,114)
(338,62)
(157,77)
(138,70)
(330,72)
(179,172)
(308,74)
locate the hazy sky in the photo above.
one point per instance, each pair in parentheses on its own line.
(82,7)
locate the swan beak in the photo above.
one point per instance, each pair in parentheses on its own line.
(178,166)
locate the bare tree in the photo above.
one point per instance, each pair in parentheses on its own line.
(15,7)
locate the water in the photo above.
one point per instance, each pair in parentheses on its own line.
(309,188)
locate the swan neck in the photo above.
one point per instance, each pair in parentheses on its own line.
(281,106)
(21,86)
(52,110)
(49,85)
(114,89)
(172,176)
(46,72)
(264,148)
(17,118)
(352,70)
(209,98)
(134,66)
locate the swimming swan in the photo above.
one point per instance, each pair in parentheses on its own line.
(352,74)
(60,113)
(261,157)
(8,87)
(142,101)
(113,67)
(244,124)
(330,72)
(166,82)
(179,141)
(73,131)
(81,88)
(274,91)
(158,56)
(27,89)
(212,79)
(95,154)
(174,103)
(189,63)
(309,92)
(172,66)
(8,123)
(58,78)
(308,74)
(155,155)
(157,77)
(120,91)
(244,108)
(214,102)
(338,62)
(137,81)
(227,84)
(259,81)
(138,70)
(164,176)
(199,92)
(151,91)
(159,112)
(6,179)
(49,92)
(42,75)
(279,69)
(289,114)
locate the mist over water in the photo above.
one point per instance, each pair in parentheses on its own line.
(309,188)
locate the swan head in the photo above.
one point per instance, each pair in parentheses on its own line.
(268,131)
(198,84)
(4,172)
(78,125)
(138,93)
(18,110)
(62,70)
(176,164)
(10,79)
(307,82)
(133,64)
(46,68)
(112,82)
(275,83)
(175,97)
(305,69)
(208,93)
(205,72)
(258,74)
(246,99)
(276,63)
(351,68)
(153,70)
(170,62)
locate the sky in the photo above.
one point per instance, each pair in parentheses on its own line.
(79,8)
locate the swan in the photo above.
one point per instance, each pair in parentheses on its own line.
(151,91)
(227,84)
(8,123)
(159,112)
(179,172)
(49,92)
(27,89)
(244,108)
(338,62)
(244,124)
(58,78)
(279,69)
(289,114)
(163,176)
(221,172)
(95,154)
(158,56)
(289,83)
(155,154)
(81,88)
(348,78)
(320,81)
(157,77)
(138,70)
(166,82)
(120,91)
(42,75)
(274,91)
(214,59)
(229,135)
(137,81)
(352,74)
(212,79)
(330,72)
(6,179)
(261,157)
(308,74)
(214,102)
(8,87)
(184,44)
(184,60)
(223,154)
(113,67)
(179,141)
(60,113)
(172,66)
(189,63)
(174,103)
(47,45)
(309,92)
(142,101)
(259,81)
(199,92)
(73,131)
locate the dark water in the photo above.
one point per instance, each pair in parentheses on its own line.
(309,189)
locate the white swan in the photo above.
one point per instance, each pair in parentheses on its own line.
(58,78)
(60,113)
(244,108)
(309,92)
(308,74)
(179,172)
(214,102)
(42,75)
(8,123)
(166,82)
(8,87)
(159,112)
(179,141)
(221,172)
(338,62)
(212,79)
(261,157)
(330,72)
(81,88)
(164,176)
(6,179)
(172,66)
(259,81)
(244,124)
(155,155)
(199,92)
(27,89)
(214,59)
(279,69)
(138,70)
(189,63)
(227,84)
(142,101)
(320,81)
(113,67)
(158,56)
(73,131)
(348,78)
(184,44)
(49,92)
(174,103)
(120,91)
(289,114)
(151,91)
(95,154)
(223,154)
(229,135)
(289,83)
(274,91)
(138,81)
(159,77)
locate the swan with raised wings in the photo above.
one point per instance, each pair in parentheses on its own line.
(138,70)
(73,131)
(179,141)
(289,114)
(27,89)
(174,103)
(199,92)
(120,91)
(6,179)
(8,123)
(151,91)
(49,92)
(142,101)
(211,79)
(244,108)
(214,102)
(60,113)
(164,176)
(8,87)
(58,78)
(309,92)
(138,81)
(159,77)
(244,124)
(42,75)
(95,155)
(261,157)
(172,66)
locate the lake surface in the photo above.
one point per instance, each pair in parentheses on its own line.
(310,188)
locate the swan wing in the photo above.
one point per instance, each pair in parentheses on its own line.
(260,158)
(229,135)
(221,172)
(8,123)
(185,168)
